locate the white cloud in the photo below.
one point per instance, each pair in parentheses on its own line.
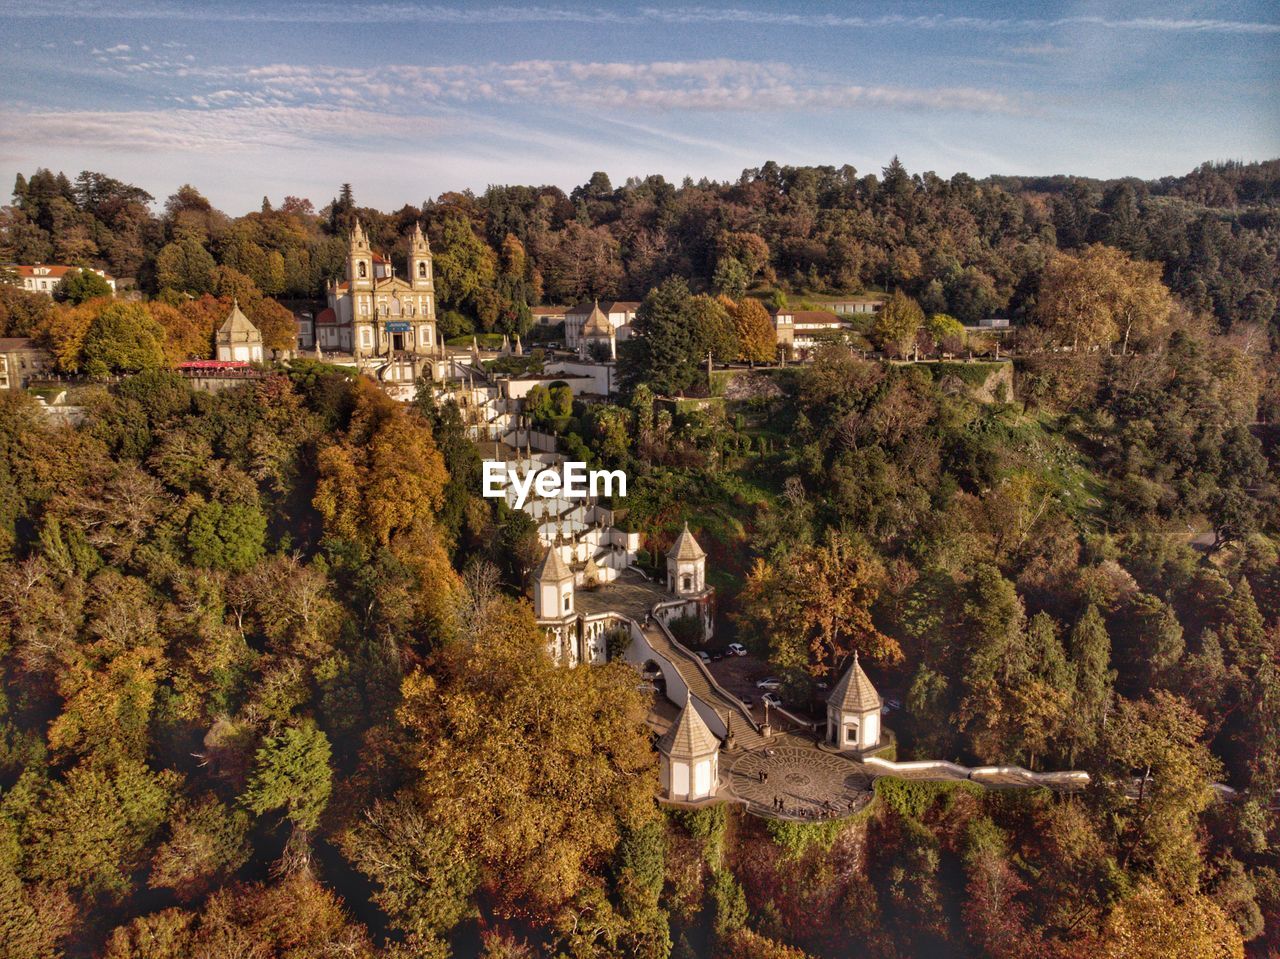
(690,85)
(323,11)
(1039,49)
(232,129)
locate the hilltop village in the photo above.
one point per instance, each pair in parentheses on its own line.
(940,615)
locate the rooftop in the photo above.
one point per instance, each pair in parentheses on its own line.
(854,692)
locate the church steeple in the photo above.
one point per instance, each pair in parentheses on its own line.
(359,259)
(419,259)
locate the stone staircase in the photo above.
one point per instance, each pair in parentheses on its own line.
(695,674)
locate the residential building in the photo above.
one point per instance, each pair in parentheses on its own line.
(866,305)
(45,277)
(801,329)
(21,361)
(548,315)
(619,313)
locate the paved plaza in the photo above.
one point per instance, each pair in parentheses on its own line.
(791,779)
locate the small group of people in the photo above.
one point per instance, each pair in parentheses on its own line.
(828,808)
(762,776)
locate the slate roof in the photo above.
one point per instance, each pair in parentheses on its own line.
(689,737)
(597,324)
(685,547)
(237,322)
(854,692)
(552,569)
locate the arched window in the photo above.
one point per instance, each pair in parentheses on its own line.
(422,269)
(364,270)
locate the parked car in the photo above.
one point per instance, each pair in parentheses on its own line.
(769,682)
(704,657)
(893,703)
(747,701)
(717,656)
(737,649)
(771,699)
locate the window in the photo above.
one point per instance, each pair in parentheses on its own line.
(688,582)
(364,270)
(422,269)
(851,733)
(568,601)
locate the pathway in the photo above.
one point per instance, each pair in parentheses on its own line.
(695,674)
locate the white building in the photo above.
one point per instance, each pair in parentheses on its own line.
(853,711)
(373,312)
(866,305)
(689,757)
(686,565)
(598,338)
(237,339)
(44,278)
(619,313)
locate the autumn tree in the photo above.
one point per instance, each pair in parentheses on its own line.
(535,824)
(1100,296)
(812,608)
(897,324)
(122,338)
(185,265)
(1153,784)
(384,475)
(1153,923)
(753,330)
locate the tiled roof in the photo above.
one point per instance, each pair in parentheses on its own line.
(326,317)
(854,692)
(52,271)
(608,306)
(597,324)
(13,344)
(685,547)
(689,737)
(552,569)
(237,322)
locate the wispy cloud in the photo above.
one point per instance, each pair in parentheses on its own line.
(688,85)
(234,129)
(1045,49)
(323,11)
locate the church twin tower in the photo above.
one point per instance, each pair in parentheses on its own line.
(384,313)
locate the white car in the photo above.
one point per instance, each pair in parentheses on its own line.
(771,699)
(769,682)
(706,660)
(737,649)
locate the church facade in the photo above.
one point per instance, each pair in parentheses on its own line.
(374,313)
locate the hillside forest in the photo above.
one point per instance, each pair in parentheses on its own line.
(270,682)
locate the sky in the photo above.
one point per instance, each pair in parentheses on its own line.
(408,100)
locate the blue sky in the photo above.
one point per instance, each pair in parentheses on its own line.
(406,100)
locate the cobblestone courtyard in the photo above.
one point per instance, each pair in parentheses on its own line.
(809,783)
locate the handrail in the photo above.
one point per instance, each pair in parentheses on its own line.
(700,665)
